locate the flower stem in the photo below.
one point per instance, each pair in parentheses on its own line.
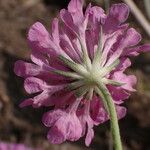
(113,116)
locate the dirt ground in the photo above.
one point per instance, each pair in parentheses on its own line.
(24,125)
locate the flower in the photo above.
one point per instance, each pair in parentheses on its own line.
(68,64)
(14,146)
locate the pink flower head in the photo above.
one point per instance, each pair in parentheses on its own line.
(67,64)
(14,146)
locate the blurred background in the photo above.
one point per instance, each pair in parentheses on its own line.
(24,125)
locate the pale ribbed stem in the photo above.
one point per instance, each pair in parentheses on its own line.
(113,116)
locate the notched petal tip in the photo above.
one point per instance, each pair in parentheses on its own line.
(143,48)
(121,111)
(38,36)
(26,103)
(89,137)
(75,5)
(25,69)
(119,11)
(35,31)
(51,117)
(34,85)
(133,37)
(55,136)
(17,66)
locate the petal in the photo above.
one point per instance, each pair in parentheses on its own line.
(38,36)
(98,112)
(67,46)
(56,135)
(82,121)
(90,131)
(67,127)
(121,111)
(41,41)
(109,42)
(124,64)
(61,99)
(74,128)
(118,14)
(89,137)
(144,48)
(118,94)
(41,99)
(46,97)
(91,42)
(136,50)
(39,58)
(75,21)
(75,6)
(34,85)
(24,69)
(85,118)
(51,117)
(131,38)
(67,19)
(26,103)
(55,31)
(75,9)
(129,80)
(96,14)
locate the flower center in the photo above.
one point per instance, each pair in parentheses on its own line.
(85,79)
(91,73)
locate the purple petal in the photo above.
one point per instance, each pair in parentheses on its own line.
(34,85)
(69,49)
(118,13)
(67,127)
(56,135)
(131,38)
(74,128)
(41,99)
(136,50)
(41,41)
(25,103)
(129,80)
(109,42)
(75,6)
(51,117)
(89,137)
(75,9)
(67,19)
(24,69)
(55,31)
(124,64)
(90,131)
(118,94)
(38,58)
(98,113)
(96,14)
(121,111)
(40,35)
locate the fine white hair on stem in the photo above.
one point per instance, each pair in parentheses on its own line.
(139,16)
(147,7)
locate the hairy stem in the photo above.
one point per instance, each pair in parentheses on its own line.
(113,116)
